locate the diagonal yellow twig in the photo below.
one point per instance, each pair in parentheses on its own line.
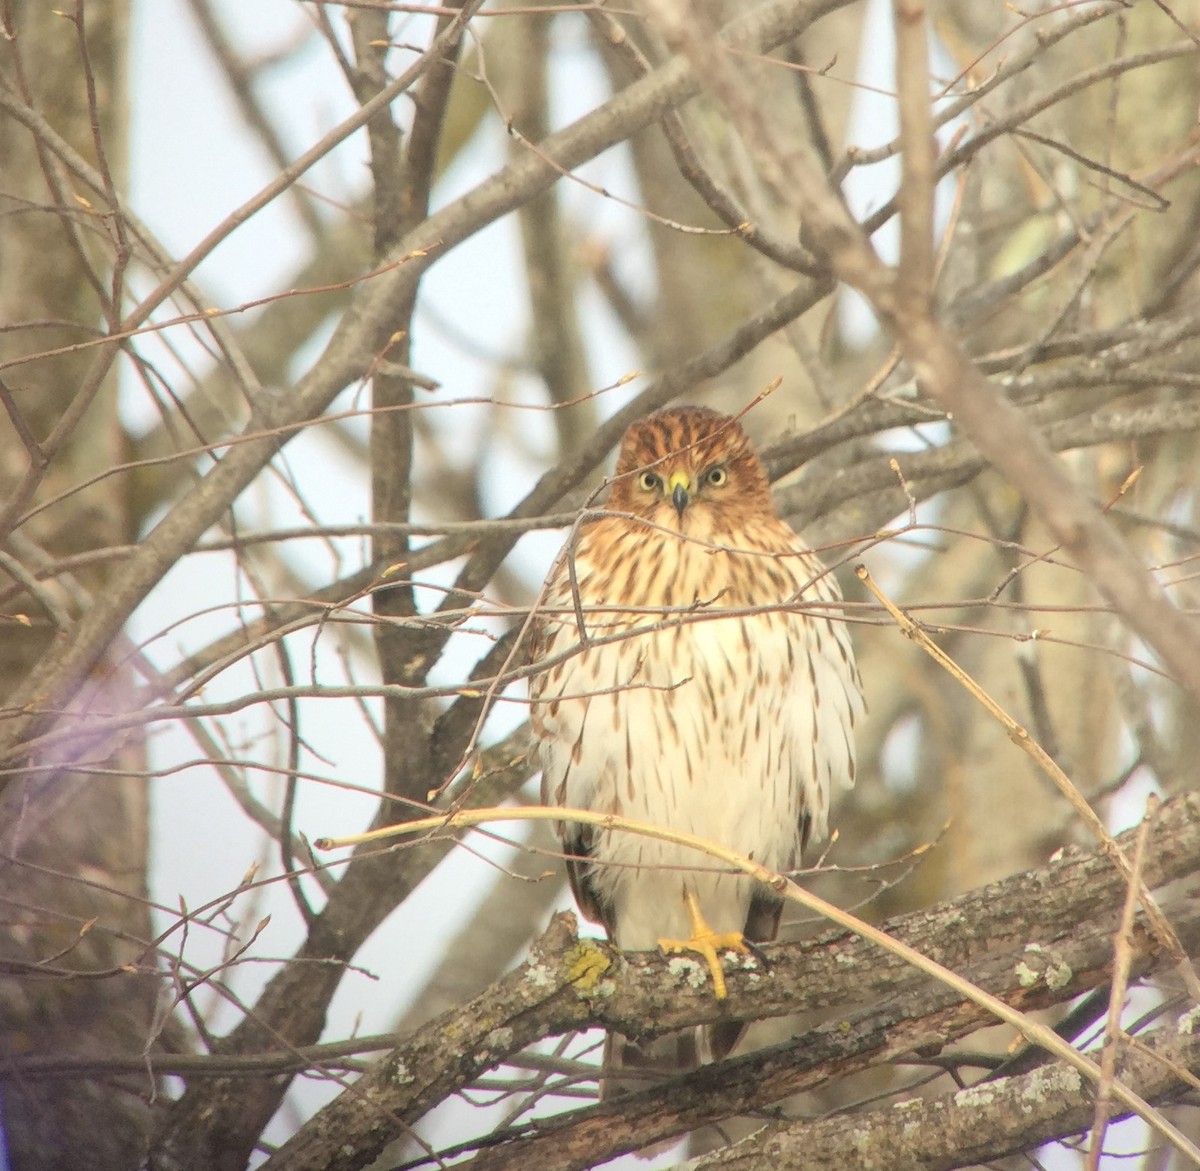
(1020,736)
(1031,1030)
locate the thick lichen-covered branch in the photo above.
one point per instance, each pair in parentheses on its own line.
(1035,940)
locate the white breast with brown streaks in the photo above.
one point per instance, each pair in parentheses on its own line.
(731,728)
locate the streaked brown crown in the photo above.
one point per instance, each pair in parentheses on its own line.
(692,440)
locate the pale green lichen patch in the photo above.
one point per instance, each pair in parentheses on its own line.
(1053,969)
(1189,1023)
(861,1140)
(1054,1079)
(975,1096)
(402,1075)
(499,1038)
(687,970)
(540,976)
(1058,975)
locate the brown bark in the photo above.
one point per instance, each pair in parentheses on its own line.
(1036,940)
(73,845)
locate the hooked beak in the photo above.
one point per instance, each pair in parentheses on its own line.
(680,495)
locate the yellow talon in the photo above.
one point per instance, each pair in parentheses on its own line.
(707,943)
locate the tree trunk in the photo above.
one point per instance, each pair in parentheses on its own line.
(72,843)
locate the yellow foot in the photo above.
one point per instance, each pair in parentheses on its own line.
(707,943)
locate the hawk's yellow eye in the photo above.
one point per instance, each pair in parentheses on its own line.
(717,476)
(650,482)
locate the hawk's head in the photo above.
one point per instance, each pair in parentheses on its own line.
(690,464)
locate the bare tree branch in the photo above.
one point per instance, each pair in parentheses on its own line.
(976,1124)
(1068,910)
(999,430)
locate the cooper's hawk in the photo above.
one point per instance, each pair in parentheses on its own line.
(716,694)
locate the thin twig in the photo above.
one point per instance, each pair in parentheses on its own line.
(1020,736)
(916,273)
(1122,959)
